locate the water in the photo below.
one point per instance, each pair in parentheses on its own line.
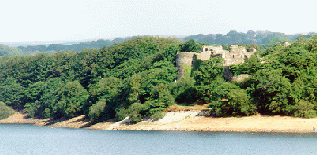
(29,139)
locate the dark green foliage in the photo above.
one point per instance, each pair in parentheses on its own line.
(137,55)
(282,82)
(55,85)
(234,37)
(229,100)
(286,83)
(5,111)
(160,97)
(184,91)
(272,91)
(73,99)
(97,110)
(32,109)
(239,100)
(146,102)
(105,96)
(136,111)
(190,46)
(135,83)
(136,79)
(225,98)
(208,71)
(130,78)
(76,47)
(250,66)
(56,98)
(12,93)
(304,109)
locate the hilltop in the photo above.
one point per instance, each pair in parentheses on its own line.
(231,38)
(138,79)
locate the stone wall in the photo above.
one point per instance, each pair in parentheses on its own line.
(183,59)
(203,55)
(211,48)
(235,55)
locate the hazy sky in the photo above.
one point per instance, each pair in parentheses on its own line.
(64,20)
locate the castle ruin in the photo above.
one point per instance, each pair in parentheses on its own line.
(235,55)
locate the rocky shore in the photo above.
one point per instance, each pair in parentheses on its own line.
(185,121)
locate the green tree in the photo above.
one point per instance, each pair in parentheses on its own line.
(272,92)
(208,71)
(184,91)
(190,46)
(278,40)
(305,109)
(105,97)
(56,98)
(96,111)
(73,97)
(5,111)
(227,99)
(12,93)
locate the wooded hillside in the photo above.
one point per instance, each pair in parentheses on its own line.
(137,78)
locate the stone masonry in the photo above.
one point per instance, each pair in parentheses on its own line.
(235,55)
(183,59)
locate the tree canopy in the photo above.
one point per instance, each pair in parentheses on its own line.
(137,79)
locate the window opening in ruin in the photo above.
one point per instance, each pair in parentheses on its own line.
(206,49)
(232,56)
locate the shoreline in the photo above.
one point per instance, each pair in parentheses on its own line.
(184,121)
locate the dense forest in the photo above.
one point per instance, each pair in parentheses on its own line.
(260,38)
(131,77)
(76,47)
(9,51)
(251,37)
(137,78)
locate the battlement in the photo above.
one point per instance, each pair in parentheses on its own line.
(211,48)
(236,55)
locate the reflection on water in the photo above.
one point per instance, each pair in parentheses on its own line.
(29,139)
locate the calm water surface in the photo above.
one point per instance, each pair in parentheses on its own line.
(29,139)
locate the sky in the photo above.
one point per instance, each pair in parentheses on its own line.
(75,20)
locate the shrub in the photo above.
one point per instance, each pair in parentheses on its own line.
(304,109)
(135,111)
(239,101)
(217,108)
(5,111)
(12,93)
(73,97)
(56,98)
(121,113)
(236,104)
(184,91)
(96,111)
(157,115)
(32,108)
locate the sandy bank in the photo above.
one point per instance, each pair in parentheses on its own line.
(19,118)
(187,121)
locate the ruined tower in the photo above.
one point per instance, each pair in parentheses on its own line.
(183,61)
(235,55)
